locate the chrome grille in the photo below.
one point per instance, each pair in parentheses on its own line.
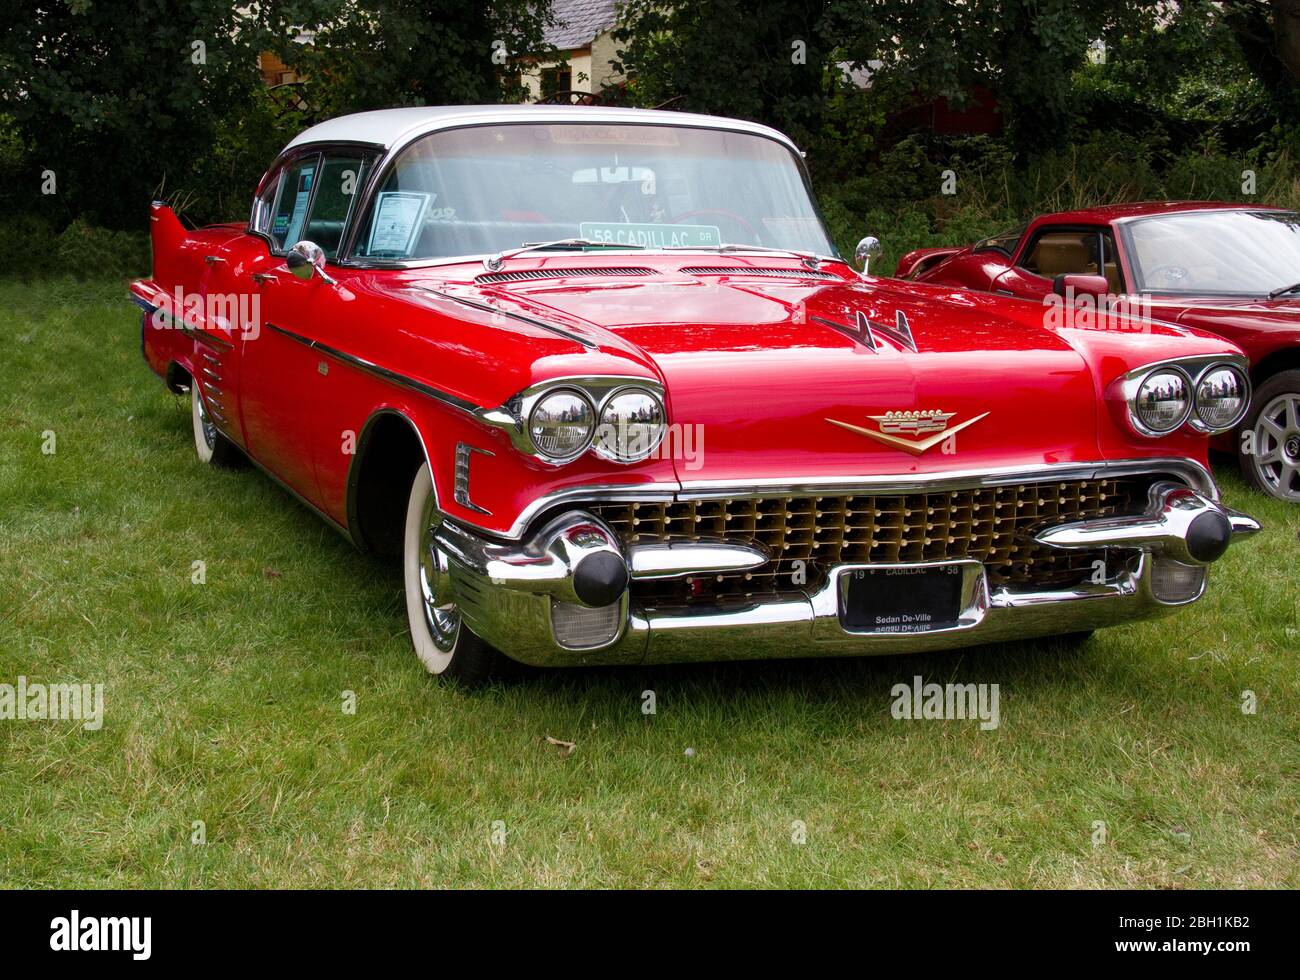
(522,274)
(748,270)
(988,524)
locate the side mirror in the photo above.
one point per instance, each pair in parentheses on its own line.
(1080,284)
(868,249)
(307,258)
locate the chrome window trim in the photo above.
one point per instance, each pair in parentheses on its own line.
(370,153)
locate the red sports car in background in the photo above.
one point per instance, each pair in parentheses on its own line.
(1229,268)
(599,380)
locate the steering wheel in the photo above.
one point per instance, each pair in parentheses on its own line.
(726,214)
(1169,273)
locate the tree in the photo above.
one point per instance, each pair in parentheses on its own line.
(381,53)
(115,98)
(733,58)
(1268,32)
(115,101)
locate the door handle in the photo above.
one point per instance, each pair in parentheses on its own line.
(262,278)
(213,259)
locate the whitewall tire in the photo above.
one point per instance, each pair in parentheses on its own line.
(212,448)
(445,645)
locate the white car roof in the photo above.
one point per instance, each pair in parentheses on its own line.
(392,128)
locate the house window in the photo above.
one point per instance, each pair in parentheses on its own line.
(556,80)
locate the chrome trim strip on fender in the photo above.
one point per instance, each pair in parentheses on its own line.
(380,372)
(521,317)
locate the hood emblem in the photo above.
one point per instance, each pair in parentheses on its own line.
(866,329)
(894,426)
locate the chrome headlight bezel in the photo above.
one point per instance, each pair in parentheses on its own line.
(1135,410)
(577,399)
(1193,370)
(613,453)
(1198,422)
(515,416)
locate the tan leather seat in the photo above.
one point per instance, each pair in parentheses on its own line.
(1064,253)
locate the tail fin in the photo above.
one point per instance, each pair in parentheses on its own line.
(165,233)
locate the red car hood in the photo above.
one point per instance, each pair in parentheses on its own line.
(761,372)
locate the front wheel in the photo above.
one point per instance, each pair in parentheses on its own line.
(443,641)
(1270,458)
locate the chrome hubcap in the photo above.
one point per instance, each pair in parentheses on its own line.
(440,612)
(1277,446)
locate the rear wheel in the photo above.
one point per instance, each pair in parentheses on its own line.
(1272,464)
(442,640)
(211,446)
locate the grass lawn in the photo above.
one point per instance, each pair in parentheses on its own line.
(224,704)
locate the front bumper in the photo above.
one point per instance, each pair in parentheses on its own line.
(566,596)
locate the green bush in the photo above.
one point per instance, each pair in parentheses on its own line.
(32,247)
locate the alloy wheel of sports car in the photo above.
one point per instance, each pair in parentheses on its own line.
(443,642)
(1274,465)
(211,446)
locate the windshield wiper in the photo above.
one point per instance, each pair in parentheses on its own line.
(1284,290)
(811,258)
(495,262)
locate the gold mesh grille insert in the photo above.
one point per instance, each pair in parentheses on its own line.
(989,524)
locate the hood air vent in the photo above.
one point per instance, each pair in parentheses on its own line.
(746,270)
(522,274)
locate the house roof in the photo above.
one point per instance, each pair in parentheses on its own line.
(579,22)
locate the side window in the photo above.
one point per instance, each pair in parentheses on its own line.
(1055,251)
(290,216)
(337,185)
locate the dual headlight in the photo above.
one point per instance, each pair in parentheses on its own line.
(1210,398)
(627,426)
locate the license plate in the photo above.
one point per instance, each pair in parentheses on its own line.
(901,600)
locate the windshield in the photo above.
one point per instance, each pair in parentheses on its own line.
(1005,242)
(487,189)
(1247,252)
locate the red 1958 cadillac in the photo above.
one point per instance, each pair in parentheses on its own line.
(1231,269)
(601,381)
